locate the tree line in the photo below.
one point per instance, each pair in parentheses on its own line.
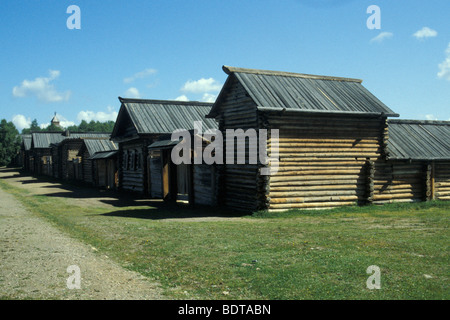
(84,126)
(10,139)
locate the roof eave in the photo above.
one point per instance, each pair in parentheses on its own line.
(356,113)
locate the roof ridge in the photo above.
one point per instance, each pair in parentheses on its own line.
(228,70)
(412,121)
(154,101)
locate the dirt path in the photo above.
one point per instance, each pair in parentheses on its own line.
(34,257)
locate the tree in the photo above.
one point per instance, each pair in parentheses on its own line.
(9,142)
(54,128)
(94,126)
(33,128)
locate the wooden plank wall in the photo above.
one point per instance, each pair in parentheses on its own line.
(323,160)
(133,166)
(238,182)
(69,152)
(87,166)
(155,173)
(204,184)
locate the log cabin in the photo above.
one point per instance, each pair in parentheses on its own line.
(97,173)
(140,123)
(105,169)
(67,162)
(329,130)
(41,160)
(417,163)
(24,152)
(194,182)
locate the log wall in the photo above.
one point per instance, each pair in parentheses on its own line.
(396,181)
(323,160)
(133,165)
(238,182)
(442,180)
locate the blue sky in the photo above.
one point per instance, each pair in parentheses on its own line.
(155,49)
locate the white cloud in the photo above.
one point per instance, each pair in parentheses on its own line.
(100,116)
(202,86)
(430,117)
(444,67)
(66,123)
(140,75)
(208,97)
(21,122)
(382,36)
(182,98)
(132,93)
(42,88)
(425,32)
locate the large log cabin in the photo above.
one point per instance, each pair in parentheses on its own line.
(329,129)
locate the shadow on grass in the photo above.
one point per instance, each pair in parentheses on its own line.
(175,211)
(151,208)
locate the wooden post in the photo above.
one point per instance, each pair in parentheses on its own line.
(370,171)
(428,182)
(191,195)
(433,191)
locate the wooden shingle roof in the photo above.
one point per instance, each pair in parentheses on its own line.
(160,116)
(296,92)
(418,140)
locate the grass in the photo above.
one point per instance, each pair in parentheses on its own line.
(290,255)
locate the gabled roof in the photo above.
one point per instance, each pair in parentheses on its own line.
(418,140)
(296,92)
(42,140)
(160,116)
(26,141)
(103,155)
(99,145)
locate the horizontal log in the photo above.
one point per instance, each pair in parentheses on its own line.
(317,193)
(397,200)
(313,199)
(354,168)
(283,173)
(310,205)
(398,187)
(286,138)
(442,184)
(353,151)
(325,177)
(395,196)
(316,143)
(324,186)
(348,155)
(304,182)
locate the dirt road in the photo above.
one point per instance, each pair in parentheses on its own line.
(35,256)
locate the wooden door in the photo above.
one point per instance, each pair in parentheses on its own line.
(165,174)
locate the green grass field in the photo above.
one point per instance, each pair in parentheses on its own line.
(291,255)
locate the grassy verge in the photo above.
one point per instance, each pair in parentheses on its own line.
(291,255)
